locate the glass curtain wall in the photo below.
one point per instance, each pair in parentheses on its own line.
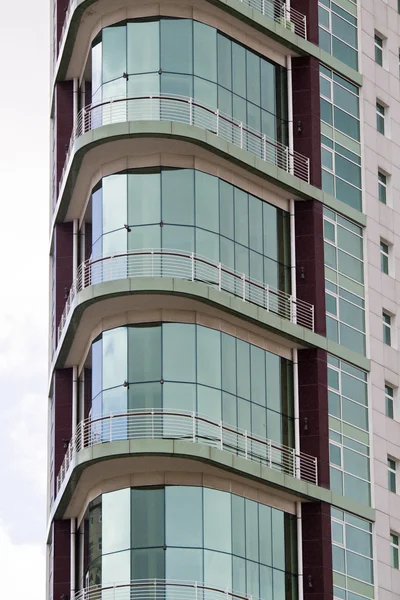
(192,211)
(193,368)
(194,534)
(187,58)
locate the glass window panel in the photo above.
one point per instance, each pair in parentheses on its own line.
(266,583)
(241,263)
(145,395)
(279,585)
(97,367)
(243,369)
(338,560)
(217,520)
(359,567)
(352,339)
(241,217)
(259,420)
(116,568)
(209,402)
(244,417)
(144,198)
(273,373)
(97,214)
(335,455)
(351,314)
(179,85)
(239,575)
(176,45)
(207,208)
(148,564)
(116,525)
(337,533)
(178,237)
(336,481)
(350,266)
(227,253)
(278,539)
(207,246)
(354,388)
(358,540)
(268,87)
(143,47)
(114,202)
(97,78)
(148,236)
(257,365)
(253,578)
(328,183)
(147,517)
(209,356)
(184,516)
(348,170)
(350,242)
(345,99)
(206,92)
(253,78)
(270,228)
(347,124)
(205,51)
(356,489)
(229,409)
(256,224)
(326,112)
(178,196)
(226,209)
(265,514)
(114,52)
(179,352)
(238,526)
(239,69)
(228,349)
(217,569)
(334,404)
(180,396)
(112,90)
(115,344)
(144,346)
(356,463)
(184,563)
(251,530)
(224,61)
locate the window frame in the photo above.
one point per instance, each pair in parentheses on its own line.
(389,400)
(387,323)
(394,550)
(379,49)
(392,474)
(380,118)
(384,249)
(382,187)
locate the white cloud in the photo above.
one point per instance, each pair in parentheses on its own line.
(22,569)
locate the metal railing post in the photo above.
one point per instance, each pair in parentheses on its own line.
(244,286)
(241,134)
(190,111)
(267,297)
(111,427)
(219,276)
(192,266)
(152,423)
(217,115)
(264,147)
(269,446)
(221,435)
(194,427)
(245,444)
(195,590)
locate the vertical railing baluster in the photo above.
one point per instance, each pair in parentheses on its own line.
(111,427)
(221,435)
(219,276)
(192,255)
(194,427)
(241,134)
(245,444)
(190,111)
(217,115)
(244,287)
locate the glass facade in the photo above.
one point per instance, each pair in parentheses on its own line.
(340,138)
(352,557)
(338,30)
(187,58)
(192,211)
(192,533)
(194,368)
(349,431)
(344,281)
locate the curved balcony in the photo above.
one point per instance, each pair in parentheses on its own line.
(278,11)
(158,589)
(159,423)
(190,267)
(182,109)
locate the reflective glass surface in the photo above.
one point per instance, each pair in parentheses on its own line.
(185,57)
(192,211)
(192,533)
(194,368)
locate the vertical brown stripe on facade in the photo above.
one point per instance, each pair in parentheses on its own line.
(62,266)
(309,8)
(317,551)
(60,13)
(63,121)
(61,565)
(62,415)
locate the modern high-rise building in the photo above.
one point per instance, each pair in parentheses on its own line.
(224,413)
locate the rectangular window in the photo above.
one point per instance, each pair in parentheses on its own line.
(389,401)
(384,258)
(378,50)
(382,187)
(391,475)
(380,118)
(394,550)
(387,328)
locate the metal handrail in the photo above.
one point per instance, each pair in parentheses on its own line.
(183,109)
(158,589)
(158,423)
(191,267)
(277,10)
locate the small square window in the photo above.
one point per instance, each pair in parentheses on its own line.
(391,464)
(384,258)
(378,49)
(389,401)
(387,328)
(382,187)
(380,118)
(394,550)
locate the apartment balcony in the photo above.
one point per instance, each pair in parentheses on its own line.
(160,423)
(186,110)
(177,264)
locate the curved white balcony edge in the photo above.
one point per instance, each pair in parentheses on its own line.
(182,109)
(191,267)
(160,423)
(277,10)
(158,589)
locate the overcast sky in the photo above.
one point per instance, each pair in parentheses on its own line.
(24,167)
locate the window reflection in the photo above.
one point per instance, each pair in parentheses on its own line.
(193,534)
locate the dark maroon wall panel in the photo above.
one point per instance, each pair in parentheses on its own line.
(306,113)
(317,551)
(63,264)
(63,116)
(310,273)
(309,8)
(62,415)
(313,404)
(61,566)
(61,10)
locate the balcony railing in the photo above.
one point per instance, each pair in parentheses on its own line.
(189,426)
(182,109)
(277,10)
(158,589)
(190,267)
